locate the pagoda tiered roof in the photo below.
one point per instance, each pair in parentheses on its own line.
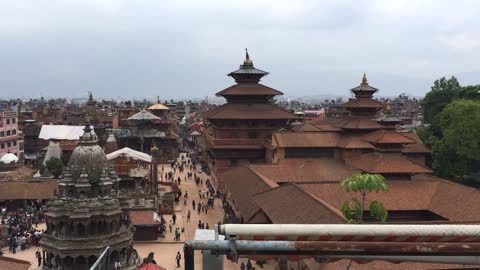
(249,89)
(387,137)
(248,111)
(392,163)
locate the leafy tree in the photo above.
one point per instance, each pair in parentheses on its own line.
(363,184)
(55,166)
(443,92)
(471,92)
(456,154)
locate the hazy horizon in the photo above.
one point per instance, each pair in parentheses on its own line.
(184,49)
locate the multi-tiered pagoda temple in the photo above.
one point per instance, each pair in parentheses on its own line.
(238,130)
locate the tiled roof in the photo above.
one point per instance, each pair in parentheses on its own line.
(386,163)
(417,147)
(8,263)
(282,205)
(142,218)
(321,202)
(363,103)
(353,142)
(243,183)
(388,137)
(249,111)
(306,127)
(382,265)
(249,89)
(305,170)
(357,123)
(305,139)
(27,190)
(403,194)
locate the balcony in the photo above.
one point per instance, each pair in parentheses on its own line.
(213,141)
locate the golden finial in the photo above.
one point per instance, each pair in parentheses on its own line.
(388,107)
(154,148)
(364,79)
(247,58)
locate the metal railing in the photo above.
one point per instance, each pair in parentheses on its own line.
(103,261)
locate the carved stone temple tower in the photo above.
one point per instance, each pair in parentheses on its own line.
(85,216)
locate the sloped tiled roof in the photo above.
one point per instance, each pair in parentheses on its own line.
(363,103)
(306,139)
(353,142)
(417,147)
(143,218)
(357,123)
(249,89)
(386,163)
(387,137)
(282,206)
(8,263)
(243,183)
(27,190)
(305,170)
(249,111)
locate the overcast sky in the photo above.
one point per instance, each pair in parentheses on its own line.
(184,49)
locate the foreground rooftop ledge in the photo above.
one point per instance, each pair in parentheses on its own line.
(377,230)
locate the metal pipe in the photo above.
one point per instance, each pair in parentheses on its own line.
(468,260)
(333,247)
(243,231)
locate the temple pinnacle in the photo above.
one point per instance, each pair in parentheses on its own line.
(364,79)
(247,58)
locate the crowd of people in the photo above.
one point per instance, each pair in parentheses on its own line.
(19,228)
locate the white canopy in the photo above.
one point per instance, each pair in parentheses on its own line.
(131,154)
(61,132)
(8,158)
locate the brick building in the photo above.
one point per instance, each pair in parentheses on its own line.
(9,133)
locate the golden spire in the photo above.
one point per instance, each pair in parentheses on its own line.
(364,79)
(388,107)
(247,58)
(154,148)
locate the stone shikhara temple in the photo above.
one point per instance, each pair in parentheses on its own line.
(86,215)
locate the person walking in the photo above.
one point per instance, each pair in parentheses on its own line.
(193,205)
(178,258)
(188,216)
(118,265)
(249,265)
(242,266)
(174,218)
(38,254)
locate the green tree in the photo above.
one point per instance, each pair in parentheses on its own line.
(443,92)
(55,166)
(456,154)
(363,184)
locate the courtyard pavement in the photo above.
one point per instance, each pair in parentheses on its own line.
(166,248)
